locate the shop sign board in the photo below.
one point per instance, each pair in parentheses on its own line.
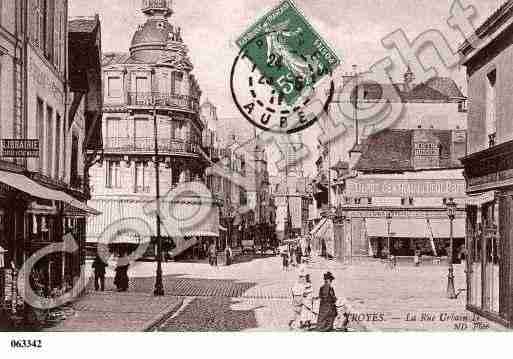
(403,188)
(411,214)
(20,148)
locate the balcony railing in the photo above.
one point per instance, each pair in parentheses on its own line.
(161,99)
(147,144)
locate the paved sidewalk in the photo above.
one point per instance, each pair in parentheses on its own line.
(404,298)
(119,312)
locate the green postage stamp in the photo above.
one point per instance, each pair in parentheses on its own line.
(288,51)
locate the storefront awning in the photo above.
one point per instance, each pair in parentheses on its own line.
(399,228)
(25,184)
(415,228)
(441,228)
(177,219)
(480,199)
(318,226)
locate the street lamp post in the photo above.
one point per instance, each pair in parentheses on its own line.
(159,286)
(389,224)
(451,213)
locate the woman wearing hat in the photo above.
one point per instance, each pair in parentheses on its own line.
(327,306)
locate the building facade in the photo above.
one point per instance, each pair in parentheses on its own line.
(151,97)
(241,178)
(416,148)
(488,167)
(44,190)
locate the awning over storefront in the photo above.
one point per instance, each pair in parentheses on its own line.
(25,184)
(441,228)
(414,228)
(480,199)
(399,228)
(177,219)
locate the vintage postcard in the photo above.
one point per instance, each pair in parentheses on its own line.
(284,166)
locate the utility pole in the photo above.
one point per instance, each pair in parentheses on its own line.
(355,105)
(159,286)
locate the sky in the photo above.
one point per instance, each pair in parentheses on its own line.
(353,28)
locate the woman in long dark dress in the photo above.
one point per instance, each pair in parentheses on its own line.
(121,278)
(327,306)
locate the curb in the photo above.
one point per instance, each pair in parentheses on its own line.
(162,317)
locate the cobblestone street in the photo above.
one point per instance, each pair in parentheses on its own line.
(254,295)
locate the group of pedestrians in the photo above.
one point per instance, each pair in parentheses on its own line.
(212,255)
(303,304)
(294,255)
(121,279)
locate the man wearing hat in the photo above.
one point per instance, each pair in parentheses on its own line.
(327,306)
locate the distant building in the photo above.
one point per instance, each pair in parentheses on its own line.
(292,198)
(489,167)
(247,210)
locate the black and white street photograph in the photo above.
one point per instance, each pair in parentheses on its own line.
(243,166)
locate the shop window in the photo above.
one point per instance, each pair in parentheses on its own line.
(74,159)
(58,130)
(40,118)
(49,141)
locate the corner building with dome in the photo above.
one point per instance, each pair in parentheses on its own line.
(154,79)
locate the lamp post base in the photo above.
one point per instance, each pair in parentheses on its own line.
(159,287)
(451,292)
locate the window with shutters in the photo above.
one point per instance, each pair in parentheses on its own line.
(113,174)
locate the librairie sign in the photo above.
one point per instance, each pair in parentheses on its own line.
(454,188)
(16,148)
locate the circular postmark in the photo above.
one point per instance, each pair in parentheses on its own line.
(283,102)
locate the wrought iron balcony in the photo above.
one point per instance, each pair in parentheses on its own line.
(147,144)
(162,99)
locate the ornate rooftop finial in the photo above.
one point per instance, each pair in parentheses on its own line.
(157,8)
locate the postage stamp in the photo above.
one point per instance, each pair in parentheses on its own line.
(288,51)
(283,88)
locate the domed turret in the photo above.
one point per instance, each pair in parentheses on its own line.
(156,36)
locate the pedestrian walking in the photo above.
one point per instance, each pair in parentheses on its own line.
(212,253)
(121,279)
(416,257)
(285,259)
(324,251)
(228,254)
(299,254)
(297,301)
(292,255)
(99,273)
(327,306)
(307,313)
